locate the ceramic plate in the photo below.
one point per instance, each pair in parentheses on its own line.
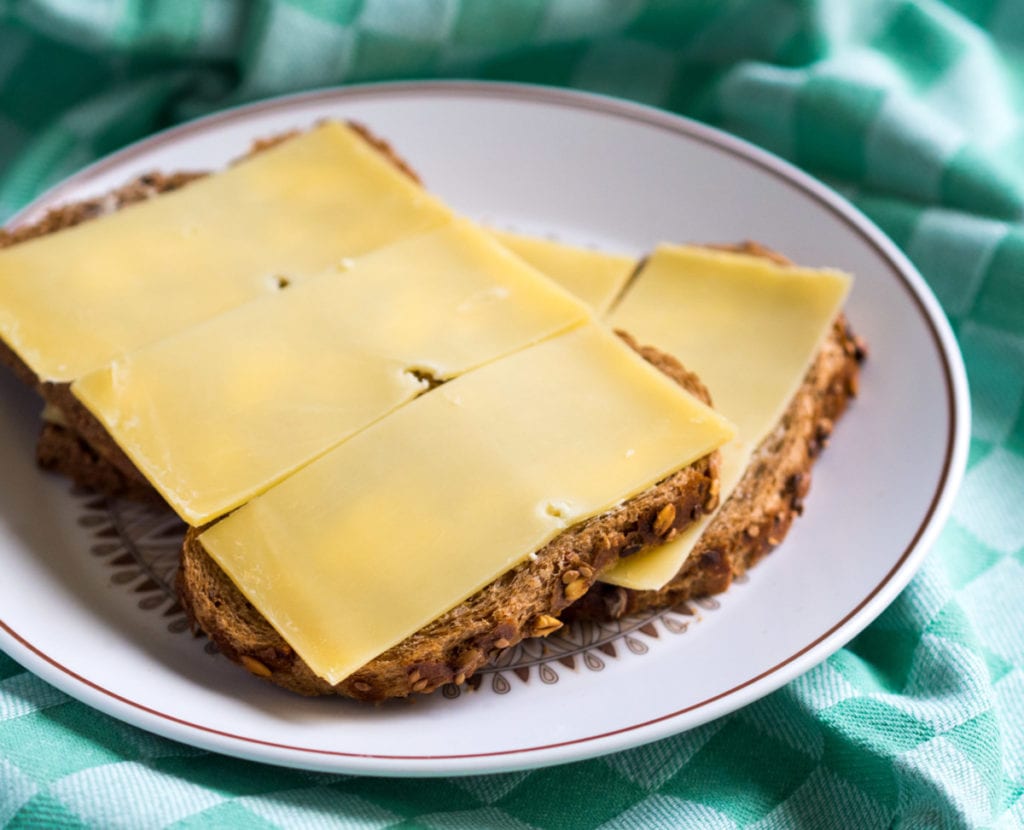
(85,599)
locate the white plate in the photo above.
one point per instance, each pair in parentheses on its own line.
(81,602)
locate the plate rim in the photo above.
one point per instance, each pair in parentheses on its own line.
(741,694)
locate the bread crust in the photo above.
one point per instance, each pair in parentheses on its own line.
(757,516)
(61,450)
(524,602)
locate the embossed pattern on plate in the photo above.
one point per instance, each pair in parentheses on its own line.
(140,544)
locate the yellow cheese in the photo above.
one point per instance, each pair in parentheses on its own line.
(221,411)
(750,329)
(596,278)
(406,519)
(72,301)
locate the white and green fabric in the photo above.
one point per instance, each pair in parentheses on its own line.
(912,109)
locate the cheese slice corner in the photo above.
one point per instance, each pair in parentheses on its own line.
(750,328)
(595,277)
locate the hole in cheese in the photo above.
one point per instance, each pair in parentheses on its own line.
(425,376)
(554,510)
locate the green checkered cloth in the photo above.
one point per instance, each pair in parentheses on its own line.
(912,109)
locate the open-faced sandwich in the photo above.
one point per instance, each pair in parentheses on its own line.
(403,442)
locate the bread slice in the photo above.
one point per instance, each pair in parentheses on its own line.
(72,441)
(753,521)
(525,602)
(756,517)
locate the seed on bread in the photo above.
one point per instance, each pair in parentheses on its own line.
(470,657)
(574,590)
(255,666)
(665,519)
(545,624)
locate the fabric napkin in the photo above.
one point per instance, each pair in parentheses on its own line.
(911,109)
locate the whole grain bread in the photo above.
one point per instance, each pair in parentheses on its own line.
(758,514)
(62,450)
(752,522)
(525,602)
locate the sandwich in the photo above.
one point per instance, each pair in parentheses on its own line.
(572,574)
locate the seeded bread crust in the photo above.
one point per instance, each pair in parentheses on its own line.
(61,450)
(78,445)
(525,602)
(757,516)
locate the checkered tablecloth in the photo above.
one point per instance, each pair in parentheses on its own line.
(912,109)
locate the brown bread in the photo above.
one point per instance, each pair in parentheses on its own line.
(756,517)
(751,523)
(527,601)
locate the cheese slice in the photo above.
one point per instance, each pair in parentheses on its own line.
(406,519)
(72,301)
(595,277)
(750,329)
(221,411)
